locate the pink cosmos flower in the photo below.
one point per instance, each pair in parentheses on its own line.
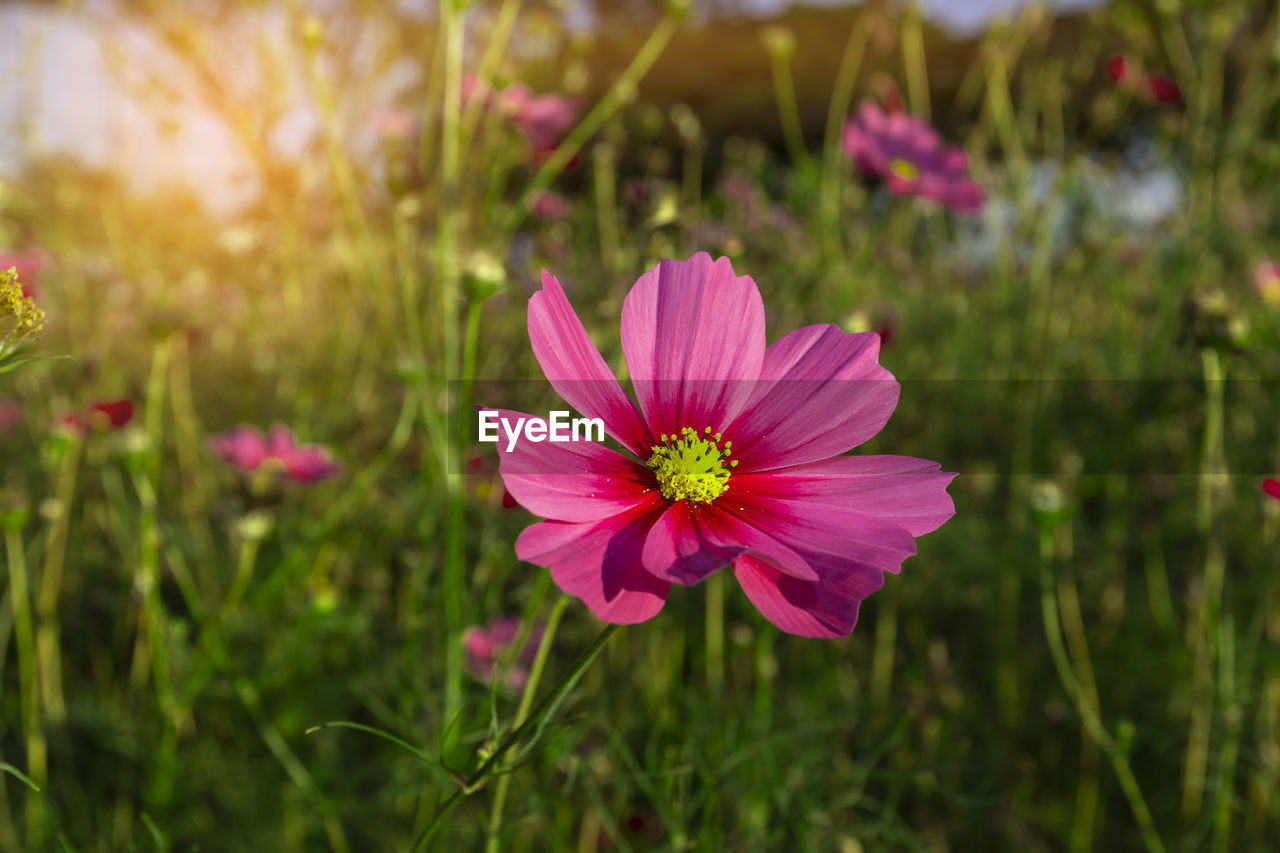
(246,449)
(732,457)
(485,646)
(910,157)
(543,119)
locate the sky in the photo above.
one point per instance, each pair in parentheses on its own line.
(57,94)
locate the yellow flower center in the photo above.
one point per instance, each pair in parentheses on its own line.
(692,466)
(904,169)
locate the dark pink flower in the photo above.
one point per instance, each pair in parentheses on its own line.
(103,415)
(1271,486)
(543,119)
(10,415)
(1163,89)
(910,157)
(484,647)
(246,449)
(732,457)
(27,264)
(552,206)
(1126,72)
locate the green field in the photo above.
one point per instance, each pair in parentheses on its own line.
(1085,657)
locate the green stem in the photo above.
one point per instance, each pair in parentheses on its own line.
(471,784)
(715,634)
(913,61)
(1092,724)
(784,90)
(32,725)
(522,713)
(1204,627)
(623,88)
(832,147)
(48,641)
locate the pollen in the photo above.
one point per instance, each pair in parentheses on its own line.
(904,169)
(692,466)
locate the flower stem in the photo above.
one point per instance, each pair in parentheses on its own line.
(623,88)
(471,784)
(32,725)
(522,713)
(841,95)
(715,634)
(1088,716)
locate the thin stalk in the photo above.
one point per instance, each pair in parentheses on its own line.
(452,27)
(619,93)
(914,64)
(1078,645)
(884,645)
(48,641)
(784,91)
(244,571)
(522,714)
(1092,723)
(832,148)
(471,783)
(1204,624)
(715,634)
(602,159)
(32,724)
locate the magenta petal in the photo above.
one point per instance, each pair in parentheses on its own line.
(599,562)
(674,550)
(1271,487)
(907,491)
(574,481)
(831,539)
(823,609)
(575,368)
(309,464)
(693,335)
(821,393)
(280,441)
(244,448)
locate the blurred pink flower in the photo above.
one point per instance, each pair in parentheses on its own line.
(543,119)
(108,414)
(552,206)
(1126,72)
(1266,281)
(1271,486)
(735,457)
(10,415)
(485,646)
(909,156)
(246,449)
(27,264)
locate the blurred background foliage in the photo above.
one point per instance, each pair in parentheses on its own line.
(259,211)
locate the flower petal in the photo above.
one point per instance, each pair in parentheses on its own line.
(821,393)
(907,491)
(823,609)
(244,448)
(570,481)
(693,335)
(599,562)
(575,368)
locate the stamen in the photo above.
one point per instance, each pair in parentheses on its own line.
(692,466)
